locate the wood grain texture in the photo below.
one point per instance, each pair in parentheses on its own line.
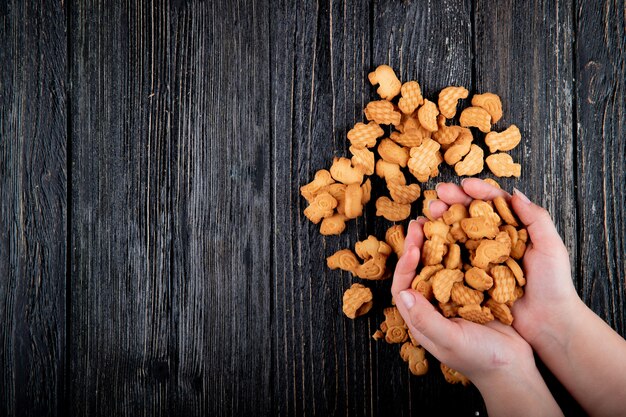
(193,284)
(33,208)
(333,365)
(320,57)
(171,220)
(524,54)
(533,75)
(600,71)
(430,42)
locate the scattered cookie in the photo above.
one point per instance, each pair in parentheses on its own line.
(411,97)
(427,115)
(416,357)
(391,210)
(454,377)
(502,165)
(357,301)
(472,164)
(471,256)
(503,141)
(491,103)
(382,112)
(388,84)
(449,98)
(476,117)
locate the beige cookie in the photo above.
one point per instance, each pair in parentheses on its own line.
(463,295)
(390,172)
(452,376)
(354,197)
(363,159)
(461,147)
(480,227)
(395,238)
(416,357)
(388,84)
(503,289)
(382,112)
(393,153)
(502,165)
(343,259)
(500,311)
(427,115)
(411,97)
(333,225)
(491,103)
(321,180)
(323,205)
(343,171)
(365,135)
(446,135)
(473,312)
(391,210)
(503,141)
(449,98)
(478,279)
(455,213)
(505,211)
(472,164)
(443,282)
(357,301)
(424,158)
(476,117)
(404,194)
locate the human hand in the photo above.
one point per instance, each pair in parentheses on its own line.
(484,353)
(550,298)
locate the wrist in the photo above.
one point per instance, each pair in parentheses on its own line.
(557,328)
(523,388)
(519,371)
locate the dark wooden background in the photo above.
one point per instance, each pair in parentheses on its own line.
(154,259)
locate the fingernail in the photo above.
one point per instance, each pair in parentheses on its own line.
(521,195)
(437,187)
(407,299)
(463,181)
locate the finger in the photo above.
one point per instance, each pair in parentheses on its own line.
(437,208)
(415,233)
(419,337)
(428,321)
(405,270)
(481,190)
(537,220)
(451,193)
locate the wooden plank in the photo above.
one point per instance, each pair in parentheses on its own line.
(526,59)
(33,211)
(600,73)
(320,88)
(320,59)
(171,255)
(432,44)
(524,54)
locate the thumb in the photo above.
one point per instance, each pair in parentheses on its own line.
(405,270)
(541,229)
(423,317)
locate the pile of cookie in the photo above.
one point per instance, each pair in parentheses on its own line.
(469,261)
(470,255)
(420,138)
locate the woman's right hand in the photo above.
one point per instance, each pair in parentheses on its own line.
(550,298)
